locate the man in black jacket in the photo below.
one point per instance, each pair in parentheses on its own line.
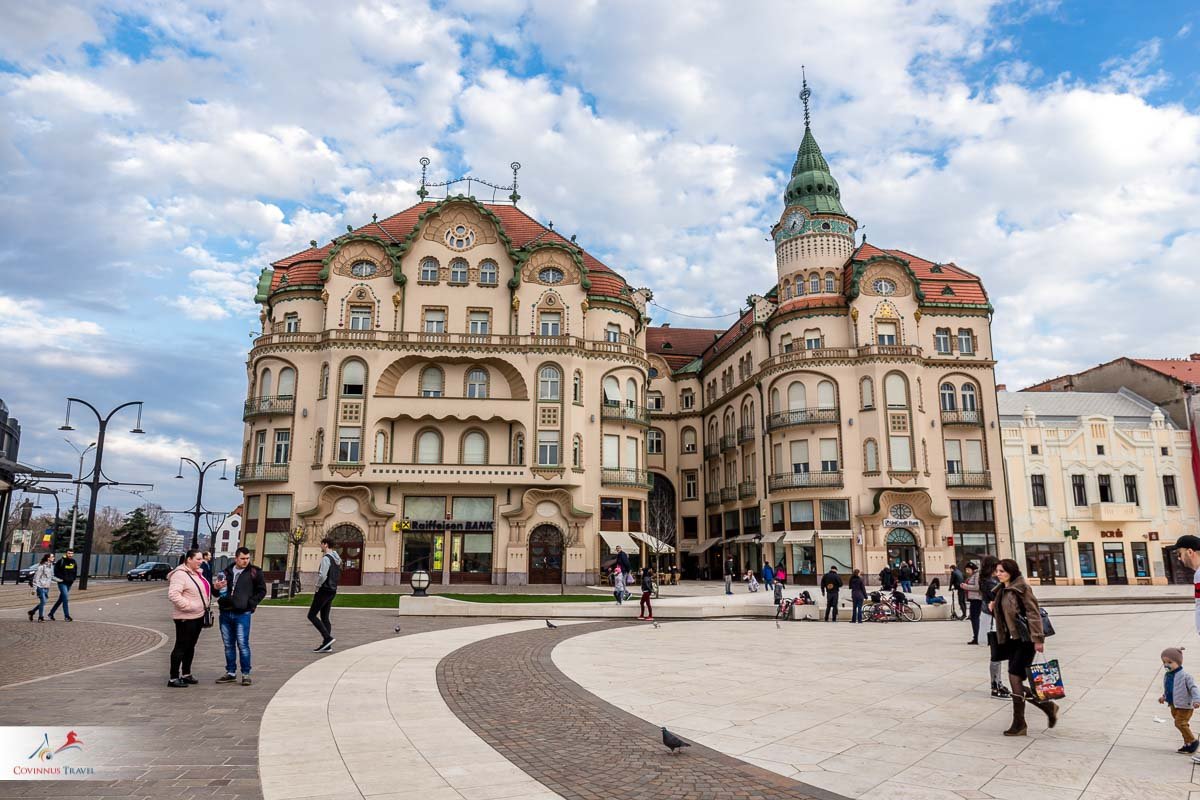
(65,571)
(242,587)
(831,584)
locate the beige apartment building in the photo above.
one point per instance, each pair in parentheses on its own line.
(1100,485)
(460,389)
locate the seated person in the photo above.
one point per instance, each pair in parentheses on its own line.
(931,594)
(752,581)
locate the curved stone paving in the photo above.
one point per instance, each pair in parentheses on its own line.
(508,691)
(36,651)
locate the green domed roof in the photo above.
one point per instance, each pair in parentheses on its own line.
(812,185)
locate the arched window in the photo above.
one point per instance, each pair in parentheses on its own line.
(870,456)
(458,271)
(477,383)
(354,378)
(867,389)
(549,383)
(968,397)
(474,448)
(796,399)
(829,282)
(577,387)
(380,447)
(729,424)
(688,438)
(814,283)
(947,393)
(489,275)
(785,343)
(264,383)
(612,391)
(433,382)
(826,395)
(429,447)
(287,382)
(429,270)
(895,391)
(519,449)
(787,290)
(775,407)
(324,380)
(799,288)
(631,393)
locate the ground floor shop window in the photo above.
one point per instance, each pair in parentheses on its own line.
(1114,563)
(471,552)
(275,552)
(1046,561)
(1087,561)
(1141,559)
(835,553)
(804,563)
(973,547)
(731,523)
(423,551)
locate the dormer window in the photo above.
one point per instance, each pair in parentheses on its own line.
(460,237)
(551,275)
(884,286)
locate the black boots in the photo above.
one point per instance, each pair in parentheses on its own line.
(1018,721)
(1047,707)
(1000,691)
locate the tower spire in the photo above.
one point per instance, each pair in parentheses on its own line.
(804,95)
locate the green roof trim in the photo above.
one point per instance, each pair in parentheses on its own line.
(693,366)
(812,184)
(860,266)
(263,291)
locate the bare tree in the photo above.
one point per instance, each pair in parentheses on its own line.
(108,519)
(661,522)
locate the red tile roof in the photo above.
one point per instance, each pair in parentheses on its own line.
(735,332)
(683,341)
(1186,370)
(966,287)
(521,229)
(816,301)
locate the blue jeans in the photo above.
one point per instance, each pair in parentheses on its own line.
(42,595)
(235,634)
(64,590)
(906,585)
(856,614)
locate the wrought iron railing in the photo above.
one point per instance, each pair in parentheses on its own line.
(805,480)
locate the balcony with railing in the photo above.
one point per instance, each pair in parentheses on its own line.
(802,416)
(728,442)
(745,434)
(456,341)
(802,355)
(729,494)
(712,450)
(638,478)
(636,415)
(747,489)
(259,406)
(805,480)
(712,498)
(248,473)
(955,417)
(968,480)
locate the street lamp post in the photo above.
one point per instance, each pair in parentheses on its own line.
(296,536)
(78,479)
(97,476)
(198,510)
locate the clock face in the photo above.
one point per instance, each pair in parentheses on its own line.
(900,511)
(884,286)
(363,269)
(794,222)
(550,275)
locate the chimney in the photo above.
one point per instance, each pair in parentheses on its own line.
(1001,387)
(665,325)
(1195,356)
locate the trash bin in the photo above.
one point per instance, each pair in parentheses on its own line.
(276,590)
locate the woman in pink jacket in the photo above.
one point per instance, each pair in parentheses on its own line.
(190,595)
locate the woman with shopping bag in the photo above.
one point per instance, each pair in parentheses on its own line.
(1021,635)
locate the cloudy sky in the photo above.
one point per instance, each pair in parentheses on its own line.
(154,156)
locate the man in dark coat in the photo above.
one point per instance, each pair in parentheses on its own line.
(730,574)
(906,576)
(831,584)
(957,590)
(887,580)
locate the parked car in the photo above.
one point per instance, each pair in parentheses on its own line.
(149,571)
(26,574)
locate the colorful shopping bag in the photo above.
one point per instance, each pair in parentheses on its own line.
(1045,678)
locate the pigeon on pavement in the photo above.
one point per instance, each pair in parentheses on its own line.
(551,625)
(655,624)
(672,741)
(397,629)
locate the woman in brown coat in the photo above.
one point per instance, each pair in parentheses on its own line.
(1015,599)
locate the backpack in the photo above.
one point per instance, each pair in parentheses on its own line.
(332,576)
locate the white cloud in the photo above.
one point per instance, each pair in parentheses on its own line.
(1132,73)
(35,334)
(56,92)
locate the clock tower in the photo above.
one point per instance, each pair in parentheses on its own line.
(814,235)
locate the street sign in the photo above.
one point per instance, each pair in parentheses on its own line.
(22,539)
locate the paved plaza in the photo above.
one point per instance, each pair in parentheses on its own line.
(486,708)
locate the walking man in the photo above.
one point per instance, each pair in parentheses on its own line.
(831,584)
(206,566)
(1187,549)
(906,577)
(730,574)
(326,589)
(65,571)
(242,587)
(957,590)
(768,575)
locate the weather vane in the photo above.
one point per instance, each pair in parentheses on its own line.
(804,94)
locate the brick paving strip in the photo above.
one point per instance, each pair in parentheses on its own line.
(40,651)
(509,692)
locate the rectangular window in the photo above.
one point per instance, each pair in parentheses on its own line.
(1033,450)
(973,455)
(654,402)
(435,320)
(953,457)
(1105,484)
(632,446)
(829,455)
(835,511)
(479,323)
(551,323)
(732,525)
(547,448)
(901,453)
(612,451)
(283,443)
(612,332)
(1170,496)
(1166,451)
(360,318)
(1131,492)
(966,342)
(260,447)
(1141,559)
(612,509)
(635,515)
(812,340)
(654,442)
(1087,560)
(777,511)
(291,323)
(689,486)
(1079,490)
(349,442)
(885,333)
(941,340)
(800,514)
(785,343)
(687,399)
(1038,484)
(799,453)
(1099,449)
(691,527)
(971,511)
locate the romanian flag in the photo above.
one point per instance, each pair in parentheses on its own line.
(47,539)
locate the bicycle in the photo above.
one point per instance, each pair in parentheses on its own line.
(888,609)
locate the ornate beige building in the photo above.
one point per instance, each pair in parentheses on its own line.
(461,389)
(1100,485)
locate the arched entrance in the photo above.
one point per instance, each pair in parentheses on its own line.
(902,546)
(545,555)
(348,542)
